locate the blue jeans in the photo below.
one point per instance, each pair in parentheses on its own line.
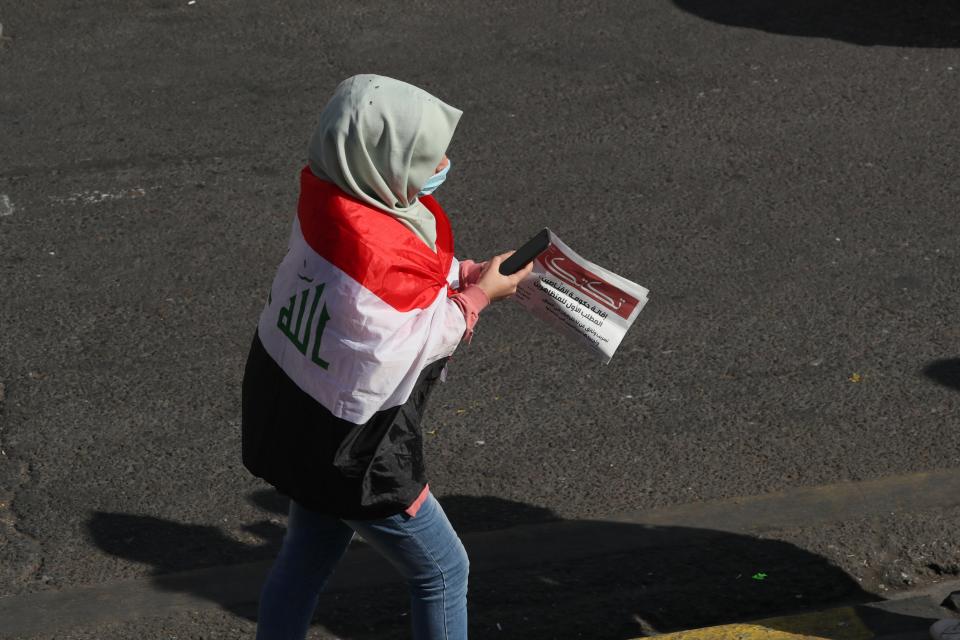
(425,550)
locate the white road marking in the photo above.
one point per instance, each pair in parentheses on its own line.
(96,197)
(6,206)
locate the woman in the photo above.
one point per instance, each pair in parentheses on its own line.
(363,313)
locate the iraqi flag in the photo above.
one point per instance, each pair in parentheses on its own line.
(356,330)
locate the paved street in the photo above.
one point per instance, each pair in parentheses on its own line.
(782,177)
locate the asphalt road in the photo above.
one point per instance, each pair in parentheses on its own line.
(785,184)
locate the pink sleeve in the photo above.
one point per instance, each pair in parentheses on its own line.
(470,273)
(471,300)
(416,504)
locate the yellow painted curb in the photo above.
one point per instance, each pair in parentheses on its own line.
(833,624)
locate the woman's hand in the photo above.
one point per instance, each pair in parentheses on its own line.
(496,285)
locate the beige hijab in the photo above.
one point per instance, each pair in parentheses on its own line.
(380,139)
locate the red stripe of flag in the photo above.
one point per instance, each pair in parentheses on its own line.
(372,247)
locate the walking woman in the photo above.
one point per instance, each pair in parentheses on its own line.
(363,313)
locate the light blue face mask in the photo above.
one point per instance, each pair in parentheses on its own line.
(435,181)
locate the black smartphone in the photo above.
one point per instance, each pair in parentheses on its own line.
(526,254)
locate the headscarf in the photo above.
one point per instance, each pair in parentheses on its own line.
(380,140)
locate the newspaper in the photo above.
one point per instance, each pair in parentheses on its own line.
(581,300)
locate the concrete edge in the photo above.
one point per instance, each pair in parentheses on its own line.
(907,617)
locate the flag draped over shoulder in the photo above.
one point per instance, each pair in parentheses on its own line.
(356,331)
(359,306)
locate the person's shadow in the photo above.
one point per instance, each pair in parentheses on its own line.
(900,23)
(533,575)
(945,372)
